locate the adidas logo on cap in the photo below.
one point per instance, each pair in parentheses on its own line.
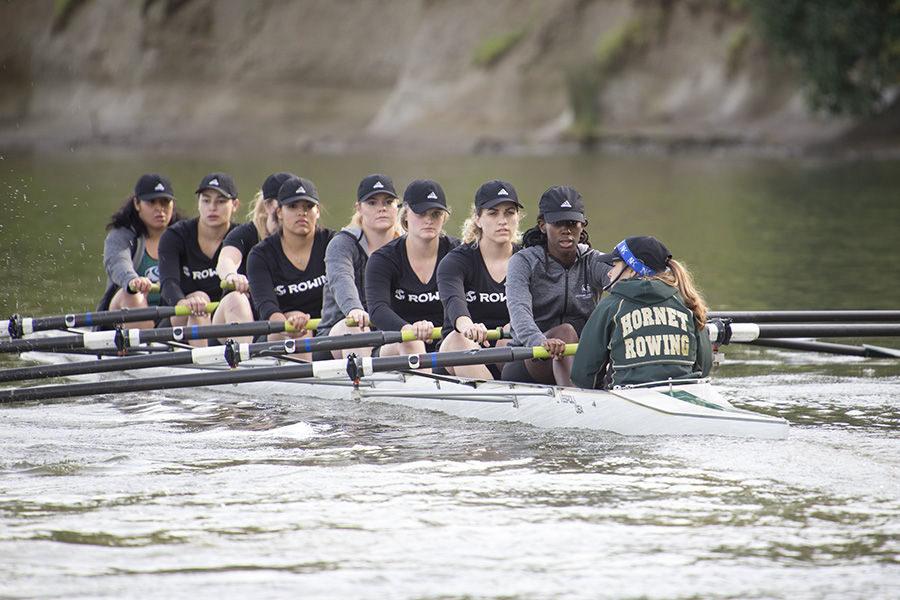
(378,185)
(213,181)
(432,196)
(300,190)
(565,204)
(502,192)
(160,187)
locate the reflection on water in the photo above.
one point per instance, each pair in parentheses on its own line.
(143,496)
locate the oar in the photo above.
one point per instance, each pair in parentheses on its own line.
(808,316)
(121,339)
(352,368)
(865,350)
(231,354)
(724,333)
(154,288)
(18,326)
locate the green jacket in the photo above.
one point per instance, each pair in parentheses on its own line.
(641,332)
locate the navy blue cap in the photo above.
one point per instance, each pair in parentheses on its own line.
(273,183)
(221,182)
(375,184)
(495,192)
(152,186)
(424,194)
(561,203)
(645,254)
(295,189)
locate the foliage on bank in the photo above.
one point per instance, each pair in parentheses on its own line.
(847,51)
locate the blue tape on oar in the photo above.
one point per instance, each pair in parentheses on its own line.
(307,343)
(88,318)
(195,332)
(433,360)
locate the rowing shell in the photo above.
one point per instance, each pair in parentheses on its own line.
(667,408)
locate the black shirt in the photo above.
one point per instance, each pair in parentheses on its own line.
(468,290)
(394,293)
(276,285)
(183,267)
(243,237)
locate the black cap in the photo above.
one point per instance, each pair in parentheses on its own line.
(273,183)
(375,184)
(424,194)
(561,203)
(496,192)
(640,253)
(153,185)
(221,182)
(295,189)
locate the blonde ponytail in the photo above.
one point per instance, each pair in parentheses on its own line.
(471,232)
(679,277)
(258,215)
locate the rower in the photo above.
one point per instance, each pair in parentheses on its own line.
(287,270)
(131,249)
(401,276)
(375,222)
(189,251)
(262,222)
(652,326)
(232,265)
(472,277)
(552,286)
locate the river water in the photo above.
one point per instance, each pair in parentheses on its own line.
(216,493)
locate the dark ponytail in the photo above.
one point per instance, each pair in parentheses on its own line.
(127,217)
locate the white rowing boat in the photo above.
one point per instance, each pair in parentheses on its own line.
(664,408)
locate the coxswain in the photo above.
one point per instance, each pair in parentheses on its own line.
(375,222)
(652,326)
(472,277)
(189,251)
(287,270)
(401,276)
(131,249)
(552,286)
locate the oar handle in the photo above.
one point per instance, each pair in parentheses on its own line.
(154,288)
(185,311)
(541,352)
(409,335)
(227,286)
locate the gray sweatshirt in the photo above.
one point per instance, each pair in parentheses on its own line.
(345,267)
(541,293)
(122,253)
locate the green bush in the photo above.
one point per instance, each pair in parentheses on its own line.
(848,51)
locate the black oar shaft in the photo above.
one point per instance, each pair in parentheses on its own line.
(328,368)
(811,346)
(156,383)
(434,360)
(18,326)
(169,359)
(808,316)
(187,357)
(106,339)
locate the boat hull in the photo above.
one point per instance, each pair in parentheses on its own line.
(694,408)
